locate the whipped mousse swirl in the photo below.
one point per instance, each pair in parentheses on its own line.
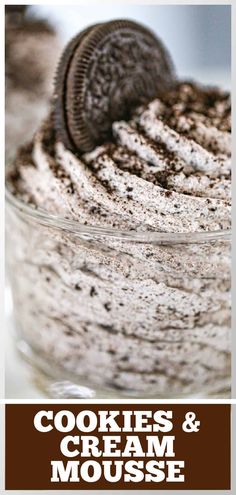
(167,169)
(131,316)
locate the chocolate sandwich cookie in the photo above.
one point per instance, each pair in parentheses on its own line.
(105,72)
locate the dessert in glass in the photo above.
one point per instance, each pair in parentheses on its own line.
(32,51)
(118,227)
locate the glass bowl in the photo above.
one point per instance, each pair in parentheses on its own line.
(107,313)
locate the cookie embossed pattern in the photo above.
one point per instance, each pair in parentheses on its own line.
(119,227)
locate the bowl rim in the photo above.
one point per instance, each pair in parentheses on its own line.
(44,218)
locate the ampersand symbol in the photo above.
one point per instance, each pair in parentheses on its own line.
(190,425)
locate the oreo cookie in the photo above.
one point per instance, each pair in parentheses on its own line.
(104,74)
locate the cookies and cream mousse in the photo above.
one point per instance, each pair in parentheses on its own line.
(32,51)
(141,317)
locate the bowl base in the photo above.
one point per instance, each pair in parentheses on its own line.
(59,384)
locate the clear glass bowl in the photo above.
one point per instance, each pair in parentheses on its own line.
(104,313)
